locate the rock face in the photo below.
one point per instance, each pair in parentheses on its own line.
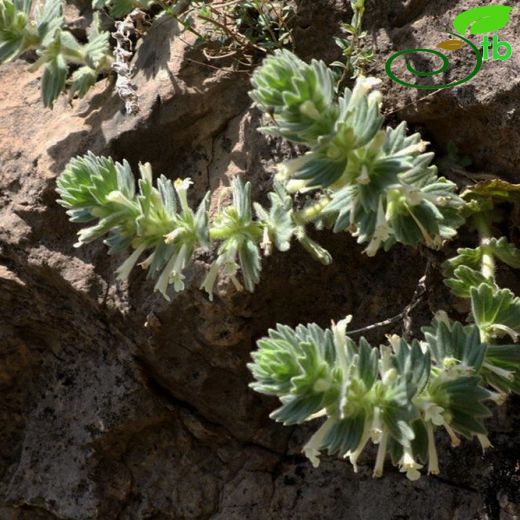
(115,404)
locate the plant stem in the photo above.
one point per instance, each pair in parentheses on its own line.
(488,261)
(357,22)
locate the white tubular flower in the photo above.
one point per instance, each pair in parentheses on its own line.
(442,316)
(364,178)
(124,269)
(381,233)
(484,441)
(381,454)
(375,98)
(501,372)
(147,262)
(317,415)
(376,429)
(433,459)
(362,88)
(162,282)
(395,342)
(209,280)
(507,330)
(434,242)
(413,149)
(146,172)
(229,266)
(172,235)
(455,441)
(433,413)
(390,376)
(313,446)
(308,108)
(266,244)
(414,196)
(408,465)
(177,279)
(225,263)
(181,187)
(172,273)
(117,197)
(287,169)
(385,363)
(238,286)
(339,331)
(499,398)
(295,185)
(353,456)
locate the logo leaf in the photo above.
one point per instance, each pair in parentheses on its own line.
(451,45)
(485,19)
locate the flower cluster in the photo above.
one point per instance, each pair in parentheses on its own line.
(159,222)
(378,184)
(396,396)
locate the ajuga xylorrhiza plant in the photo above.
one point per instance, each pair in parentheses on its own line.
(39,28)
(25,27)
(377,184)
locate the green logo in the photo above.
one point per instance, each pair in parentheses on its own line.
(480,20)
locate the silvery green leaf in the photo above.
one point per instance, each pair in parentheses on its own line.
(345,435)
(451,341)
(15,35)
(505,251)
(496,311)
(125,179)
(249,256)
(464,400)
(82,79)
(420,441)
(367,363)
(463,279)
(97,49)
(116,242)
(201,227)
(469,257)
(295,409)
(53,80)
(411,361)
(502,368)
(48,20)
(397,411)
